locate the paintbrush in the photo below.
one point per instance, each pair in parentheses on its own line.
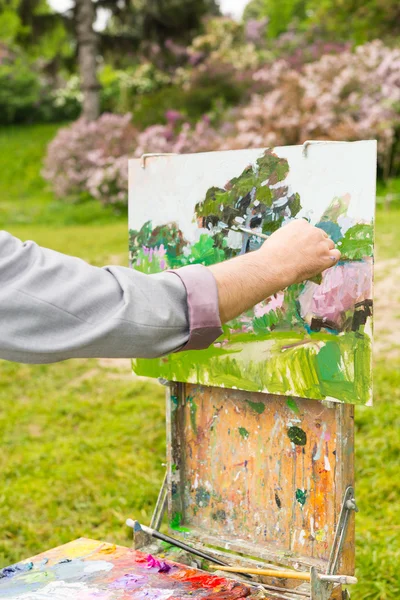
(136,526)
(343,579)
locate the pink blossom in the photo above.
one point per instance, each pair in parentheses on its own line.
(273,303)
(342,287)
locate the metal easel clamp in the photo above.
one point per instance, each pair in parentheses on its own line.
(153,154)
(348,505)
(165,382)
(308,143)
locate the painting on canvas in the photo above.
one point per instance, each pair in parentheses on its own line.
(311,340)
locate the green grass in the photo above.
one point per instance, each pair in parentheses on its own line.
(25,198)
(81,446)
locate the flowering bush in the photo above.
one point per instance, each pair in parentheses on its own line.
(178,137)
(345,96)
(226,41)
(93,158)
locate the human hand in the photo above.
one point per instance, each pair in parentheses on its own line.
(299,252)
(294,253)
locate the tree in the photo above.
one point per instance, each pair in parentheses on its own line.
(32,25)
(87,49)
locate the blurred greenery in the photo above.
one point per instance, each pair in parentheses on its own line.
(357,21)
(82,443)
(24,195)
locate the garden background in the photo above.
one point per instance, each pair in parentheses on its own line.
(82,443)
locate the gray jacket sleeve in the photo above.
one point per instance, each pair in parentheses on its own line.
(54,307)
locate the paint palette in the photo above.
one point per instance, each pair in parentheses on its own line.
(89,570)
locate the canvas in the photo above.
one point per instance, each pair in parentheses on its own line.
(312,340)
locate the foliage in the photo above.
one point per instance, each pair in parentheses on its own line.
(121,87)
(31,25)
(26,197)
(92,157)
(27,94)
(280,15)
(156,21)
(348,96)
(68,99)
(19,92)
(359,21)
(224,41)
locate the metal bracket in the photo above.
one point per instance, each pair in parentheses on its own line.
(151,155)
(348,505)
(160,506)
(308,143)
(320,590)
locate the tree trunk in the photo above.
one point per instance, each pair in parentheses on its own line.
(87,45)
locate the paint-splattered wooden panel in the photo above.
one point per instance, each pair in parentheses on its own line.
(267,470)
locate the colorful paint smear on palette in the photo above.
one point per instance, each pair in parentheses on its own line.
(89,570)
(311,340)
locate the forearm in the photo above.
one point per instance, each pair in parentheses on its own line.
(244,281)
(292,254)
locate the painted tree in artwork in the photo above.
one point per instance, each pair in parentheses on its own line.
(257,200)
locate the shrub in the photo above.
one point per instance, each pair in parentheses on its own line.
(27,95)
(92,157)
(347,96)
(20,92)
(120,88)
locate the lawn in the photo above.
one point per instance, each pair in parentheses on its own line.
(82,444)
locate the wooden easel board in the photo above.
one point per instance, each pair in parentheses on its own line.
(260,475)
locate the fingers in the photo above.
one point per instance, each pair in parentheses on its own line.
(335,255)
(331,243)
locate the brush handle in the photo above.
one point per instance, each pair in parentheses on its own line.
(344,579)
(170,540)
(269,573)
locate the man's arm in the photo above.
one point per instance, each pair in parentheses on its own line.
(54,307)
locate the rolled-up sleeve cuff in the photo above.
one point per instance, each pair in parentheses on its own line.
(203,308)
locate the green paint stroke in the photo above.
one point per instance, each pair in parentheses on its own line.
(176,521)
(297,436)
(258,407)
(193,413)
(244,433)
(311,375)
(293,406)
(357,242)
(202,497)
(301,496)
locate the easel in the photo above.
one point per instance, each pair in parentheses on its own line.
(262,481)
